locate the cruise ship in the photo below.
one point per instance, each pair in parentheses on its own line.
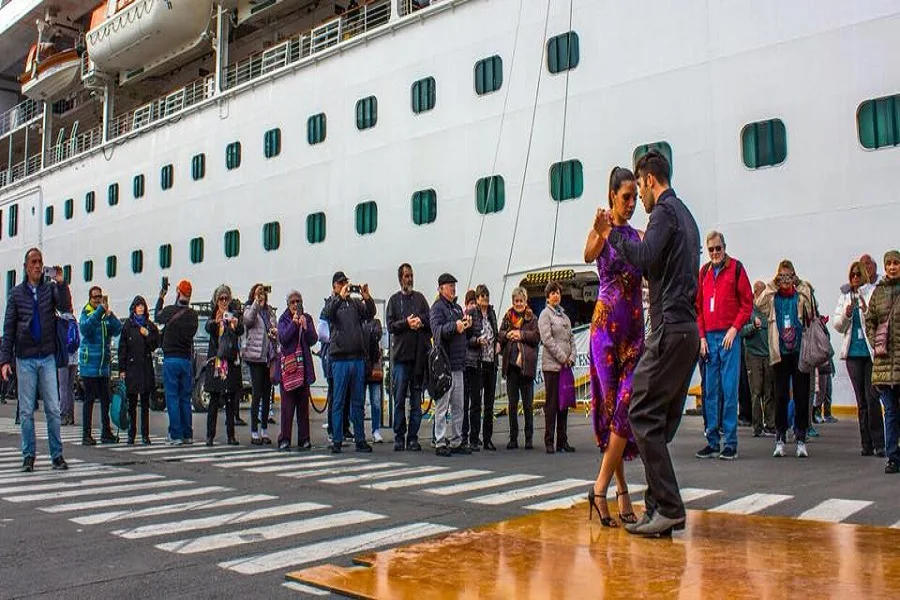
(282,140)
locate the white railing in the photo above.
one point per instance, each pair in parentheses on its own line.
(352,23)
(191,94)
(19,115)
(405,7)
(74,146)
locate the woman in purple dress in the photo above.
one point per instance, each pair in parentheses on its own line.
(617,341)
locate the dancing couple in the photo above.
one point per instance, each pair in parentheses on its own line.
(639,387)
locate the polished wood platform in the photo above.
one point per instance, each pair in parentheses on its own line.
(560,554)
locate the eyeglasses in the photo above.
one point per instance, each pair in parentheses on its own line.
(855,274)
(294,301)
(785,277)
(97,297)
(223,298)
(714,249)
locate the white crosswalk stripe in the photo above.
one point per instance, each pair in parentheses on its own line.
(481,484)
(691,494)
(752,503)
(425,479)
(130,500)
(304,589)
(234,518)
(67,485)
(6,470)
(544,489)
(45,471)
(332,548)
(112,489)
(382,475)
(151,451)
(270,460)
(834,510)
(271,532)
(339,470)
(570,501)
(306,465)
(169,509)
(59,475)
(224,455)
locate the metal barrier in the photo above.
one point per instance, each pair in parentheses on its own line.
(20,115)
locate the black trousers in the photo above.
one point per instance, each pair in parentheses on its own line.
(132,415)
(262,393)
(868,404)
(471,423)
(788,380)
(95,388)
(745,398)
(485,388)
(661,381)
(554,418)
(216,401)
(519,386)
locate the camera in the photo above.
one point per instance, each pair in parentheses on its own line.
(267,289)
(355,289)
(165,283)
(50,273)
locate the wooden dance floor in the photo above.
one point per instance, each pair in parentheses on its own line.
(560,554)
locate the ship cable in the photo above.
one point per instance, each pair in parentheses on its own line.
(512,65)
(562,148)
(537,91)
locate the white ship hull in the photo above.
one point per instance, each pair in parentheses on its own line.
(691,73)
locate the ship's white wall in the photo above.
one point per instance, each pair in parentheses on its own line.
(692,73)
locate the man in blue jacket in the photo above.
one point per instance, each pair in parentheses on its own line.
(98,326)
(29,335)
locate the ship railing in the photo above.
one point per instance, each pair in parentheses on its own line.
(354,22)
(25,168)
(191,94)
(19,115)
(4,178)
(406,7)
(74,146)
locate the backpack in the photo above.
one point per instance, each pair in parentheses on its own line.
(118,407)
(738,268)
(438,378)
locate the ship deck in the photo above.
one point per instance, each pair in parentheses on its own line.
(561,554)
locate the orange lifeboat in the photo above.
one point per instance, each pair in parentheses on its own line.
(49,73)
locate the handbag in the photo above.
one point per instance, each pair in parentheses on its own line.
(881,345)
(815,346)
(293,367)
(566,388)
(118,408)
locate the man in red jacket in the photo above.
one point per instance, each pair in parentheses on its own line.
(724,305)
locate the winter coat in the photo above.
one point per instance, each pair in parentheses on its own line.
(531,337)
(345,318)
(443,318)
(373,332)
(136,353)
(232,383)
(883,305)
(806,309)
(180,323)
(756,341)
(97,330)
(406,343)
(844,324)
(473,345)
(558,339)
(289,336)
(17,339)
(257,346)
(724,300)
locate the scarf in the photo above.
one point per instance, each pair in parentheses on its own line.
(139,320)
(516,320)
(35,326)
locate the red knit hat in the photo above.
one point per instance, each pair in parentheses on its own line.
(185,288)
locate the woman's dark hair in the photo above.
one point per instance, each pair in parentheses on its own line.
(551,287)
(470,296)
(251,298)
(482,290)
(93,288)
(617,177)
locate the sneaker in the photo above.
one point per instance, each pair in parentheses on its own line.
(233,442)
(512,445)
(812,432)
(528,445)
(768,432)
(867,452)
(443,451)
(707,452)
(210,442)
(59,464)
(28,465)
(830,419)
(399,447)
(88,441)
(304,446)
(802,452)
(188,441)
(757,433)
(489,446)
(779,449)
(890,468)
(284,446)
(461,449)
(377,437)
(879,452)
(414,446)
(363,447)
(146,441)
(173,441)
(728,454)
(475,446)
(106,440)
(336,448)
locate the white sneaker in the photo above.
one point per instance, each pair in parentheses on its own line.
(254,435)
(779,449)
(377,436)
(801,450)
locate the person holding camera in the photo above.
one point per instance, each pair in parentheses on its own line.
(29,338)
(448,326)
(223,367)
(98,326)
(139,339)
(259,351)
(345,315)
(296,332)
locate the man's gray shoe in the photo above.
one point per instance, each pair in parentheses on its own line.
(643,521)
(657,526)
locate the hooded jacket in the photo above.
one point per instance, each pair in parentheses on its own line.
(136,350)
(97,330)
(258,347)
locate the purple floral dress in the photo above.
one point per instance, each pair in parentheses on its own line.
(617,341)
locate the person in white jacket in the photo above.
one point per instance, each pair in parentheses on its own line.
(849,321)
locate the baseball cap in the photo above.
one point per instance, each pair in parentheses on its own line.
(338,277)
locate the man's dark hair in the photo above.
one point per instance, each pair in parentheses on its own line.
(400,270)
(654,163)
(29,251)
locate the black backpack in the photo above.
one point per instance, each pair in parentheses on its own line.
(438,379)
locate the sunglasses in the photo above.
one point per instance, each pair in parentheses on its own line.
(223,298)
(714,249)
(855,274)
(96,297)
(784,277)
(294,302)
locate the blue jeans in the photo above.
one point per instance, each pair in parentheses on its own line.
(32,373)
(348,375)
(178,383)
(375,396)
(890,398)
(722,380)
(405,387)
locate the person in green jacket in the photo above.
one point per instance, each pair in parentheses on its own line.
(98,326)
(762,379)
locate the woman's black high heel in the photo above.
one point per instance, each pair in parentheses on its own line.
(628,517)
(593,505)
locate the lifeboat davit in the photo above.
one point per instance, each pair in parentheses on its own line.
(49,73)
(136,36)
